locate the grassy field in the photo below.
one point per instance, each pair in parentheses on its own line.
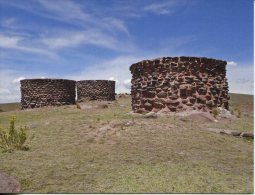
(97,149)
(9,107)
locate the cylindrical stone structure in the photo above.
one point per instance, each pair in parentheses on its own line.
(95,90)
(178,84)
(46,92)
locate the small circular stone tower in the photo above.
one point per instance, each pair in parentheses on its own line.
(46,92)
(178,84)
(95,90)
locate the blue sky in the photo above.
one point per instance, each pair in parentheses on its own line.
(100,39)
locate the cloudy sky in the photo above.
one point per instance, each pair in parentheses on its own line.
(100,39)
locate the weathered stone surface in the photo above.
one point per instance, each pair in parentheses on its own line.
(95,90)
(148,106)
(174,97)
(162,94)
(46,92)
(174,103)
(179,83)
(158,105)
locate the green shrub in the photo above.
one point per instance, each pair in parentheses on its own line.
(215,112)
(78,106)
(239,113)
(13,138)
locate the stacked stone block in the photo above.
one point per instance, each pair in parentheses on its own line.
(46,92)
(95,90)
(178,84)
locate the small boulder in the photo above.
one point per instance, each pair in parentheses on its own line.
(150,115)
(247,134)
(162,94)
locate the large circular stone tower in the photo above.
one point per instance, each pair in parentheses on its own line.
(179,83)
(95,90)
(46,92)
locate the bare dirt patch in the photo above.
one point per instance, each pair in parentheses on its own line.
(8,184)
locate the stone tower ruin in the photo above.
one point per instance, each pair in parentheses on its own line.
(95,90)
(46,92)
(178,84)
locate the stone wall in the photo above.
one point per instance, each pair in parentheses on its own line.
(46,92)
(95,90)
(179,83)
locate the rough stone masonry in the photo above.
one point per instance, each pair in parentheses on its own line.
(95,90)
(46,92)
(178,84)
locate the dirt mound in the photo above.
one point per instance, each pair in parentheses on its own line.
(95,105)
(196,116)
(111,128)
(8,184)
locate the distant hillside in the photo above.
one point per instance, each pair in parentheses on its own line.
(9,106)
(237,98)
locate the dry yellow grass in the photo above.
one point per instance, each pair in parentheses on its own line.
(92,150)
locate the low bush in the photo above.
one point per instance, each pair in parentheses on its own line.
(239,113)
(78,106)
(12,138)
(215,112)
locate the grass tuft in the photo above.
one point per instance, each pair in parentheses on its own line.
(215,112)
(78,106)
(12,138)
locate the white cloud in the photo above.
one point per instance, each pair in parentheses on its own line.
(241,79)
(71,12)
(15,42)
(73,39)
(231,63)
(165,7)
(115,23)
(127,83)
(113,79)
(17,80)
(9,42)
(67,9)
(58,9)
(8,22)
(8,92)
(114,69)
(4,91)
(10,84)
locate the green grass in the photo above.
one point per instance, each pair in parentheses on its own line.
(243,104)
(69,154)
